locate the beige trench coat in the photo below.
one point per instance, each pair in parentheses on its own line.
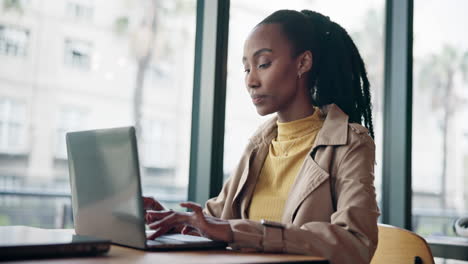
(331,210)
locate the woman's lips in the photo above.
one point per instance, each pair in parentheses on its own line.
(257,99)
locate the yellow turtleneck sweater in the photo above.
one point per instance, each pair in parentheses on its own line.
(285,157)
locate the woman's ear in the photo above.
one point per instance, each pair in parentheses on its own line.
(304,63)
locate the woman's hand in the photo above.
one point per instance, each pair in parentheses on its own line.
(149,203)
(207,226)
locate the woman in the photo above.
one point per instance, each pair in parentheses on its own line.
(305,181)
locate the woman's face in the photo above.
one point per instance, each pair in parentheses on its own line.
(271,71)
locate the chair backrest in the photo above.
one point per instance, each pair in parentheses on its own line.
(397,245)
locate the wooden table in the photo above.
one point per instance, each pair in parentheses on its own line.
(118,254)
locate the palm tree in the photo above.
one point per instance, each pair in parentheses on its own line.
(143,43)
(144,39)
(438,74)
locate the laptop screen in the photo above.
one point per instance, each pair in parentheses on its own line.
(105,184)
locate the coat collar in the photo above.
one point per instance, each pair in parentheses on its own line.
(333,132)
(335,127)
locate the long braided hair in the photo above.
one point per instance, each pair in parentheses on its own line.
(338,74)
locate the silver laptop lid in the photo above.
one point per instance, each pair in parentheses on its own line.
(105,184)
(24,242)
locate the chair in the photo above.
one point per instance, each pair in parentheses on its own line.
(397,245)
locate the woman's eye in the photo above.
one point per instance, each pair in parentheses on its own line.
(246,70)
(264,65)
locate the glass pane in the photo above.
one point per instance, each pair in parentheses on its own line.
(440,112)
(12,126)
(104,65)
(363,19)
(13,40)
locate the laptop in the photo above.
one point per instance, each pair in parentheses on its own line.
(106,191)
(24,242)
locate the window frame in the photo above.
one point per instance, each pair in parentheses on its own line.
(11,121)
(21,49)
(209,100)
(79,11)
(68,119)
(75,61)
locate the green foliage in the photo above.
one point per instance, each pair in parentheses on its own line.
(14,5)
(435,226)
(4,220)
(121,24)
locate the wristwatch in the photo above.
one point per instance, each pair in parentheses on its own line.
(268,223)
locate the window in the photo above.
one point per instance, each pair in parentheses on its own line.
(365,23)
(18,5)
(78,53)
(115,88)
(69,119)
(159,144)
(12,126)
(14,41)
(440,112)
(79,10)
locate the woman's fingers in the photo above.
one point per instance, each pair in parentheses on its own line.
(168,222)
(149,203)
(193,206)
(151,216)
(198,218)
(195,222)
(162,226)
(159,232)
(187,230)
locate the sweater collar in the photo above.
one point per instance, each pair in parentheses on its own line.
(333,132)
(299,128)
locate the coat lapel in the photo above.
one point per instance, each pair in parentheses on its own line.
(309,178)
(257,165)
(334,132)
(258,154)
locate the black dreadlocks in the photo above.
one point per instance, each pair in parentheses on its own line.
(338,74)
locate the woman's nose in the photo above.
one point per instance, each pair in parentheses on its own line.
(252,80)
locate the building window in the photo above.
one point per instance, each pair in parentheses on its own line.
(12,126)
(18,5)
(69,119)
(13,41)
(80,10)
(78,53)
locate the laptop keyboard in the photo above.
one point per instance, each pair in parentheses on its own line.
(164,241)
(177,239)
